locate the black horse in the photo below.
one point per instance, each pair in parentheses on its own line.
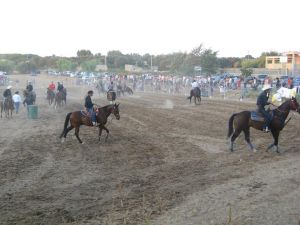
(79,118)
(7,105)
(128,90)
(242,121)
(50,96)
(196,93)
(60,98)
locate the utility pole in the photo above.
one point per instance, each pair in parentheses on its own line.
(151,62)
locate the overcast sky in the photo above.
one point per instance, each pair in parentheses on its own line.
(231,27)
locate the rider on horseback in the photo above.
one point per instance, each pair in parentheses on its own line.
(7,92)
(51,86)
(29,87)
(262,101)
(60,87)
(195,87)
(90,107)
(111,89)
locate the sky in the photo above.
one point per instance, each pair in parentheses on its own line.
(234,28)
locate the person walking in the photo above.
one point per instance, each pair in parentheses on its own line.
(17,101)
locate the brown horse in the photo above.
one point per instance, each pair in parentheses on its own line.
(50,96)
(242,122)
(79,118)
(196,93)
(128,90)
(7,105)
(60,98)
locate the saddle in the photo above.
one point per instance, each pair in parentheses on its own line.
(256,116)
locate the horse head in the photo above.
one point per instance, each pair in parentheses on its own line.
(294,105)
(115,111)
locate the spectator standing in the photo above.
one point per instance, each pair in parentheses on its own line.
(17,101)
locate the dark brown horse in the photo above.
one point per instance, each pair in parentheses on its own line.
(196,93)
(79,118)
(50,96)
(7,105)
(128,90)
(60,98)
(120,90)
(242,121)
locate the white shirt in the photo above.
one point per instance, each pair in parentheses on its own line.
(16,98)
(194,84)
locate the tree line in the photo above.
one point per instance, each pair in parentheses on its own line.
(177,62)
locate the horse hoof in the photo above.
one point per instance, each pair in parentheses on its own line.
(63,140)
(82,143)
(254,150)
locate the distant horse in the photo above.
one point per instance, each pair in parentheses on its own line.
(196,93)
(7,105)
(50,96)
(128,90)
(100,88)
(79,118)
(60,98)
(120,90)
(242,121)
(111,96)
(30,95)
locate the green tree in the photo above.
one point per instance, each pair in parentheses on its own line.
(64,65)
(89,65)
(209,62)
(84,53)
(6,65)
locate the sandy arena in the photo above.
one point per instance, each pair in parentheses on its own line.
(166,162)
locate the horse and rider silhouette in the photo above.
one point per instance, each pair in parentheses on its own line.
(78,118)
(196,93)
(242,121)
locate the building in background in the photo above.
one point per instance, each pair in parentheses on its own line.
(288,63)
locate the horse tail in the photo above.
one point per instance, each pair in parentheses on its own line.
(230,125)
(66,124)
(191,95)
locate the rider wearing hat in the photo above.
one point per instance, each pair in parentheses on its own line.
(29,87)
(7,92)
(90,107)
(195,87)
(262,101)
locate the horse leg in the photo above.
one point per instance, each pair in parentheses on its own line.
(247,138)
(100,132)
(67,131)
(77,134)
(233,137)
(107,132)
(275,136)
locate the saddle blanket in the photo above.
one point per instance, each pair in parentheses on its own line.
(85,113)
(256,116)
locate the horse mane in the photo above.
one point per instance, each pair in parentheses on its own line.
(106,107)
(283,105)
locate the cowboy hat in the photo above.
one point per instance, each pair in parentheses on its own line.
(266,87)
(9,87)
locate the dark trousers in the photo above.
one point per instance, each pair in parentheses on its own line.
(265,114)
(93,114)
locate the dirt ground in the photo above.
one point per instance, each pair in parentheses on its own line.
(166,162)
